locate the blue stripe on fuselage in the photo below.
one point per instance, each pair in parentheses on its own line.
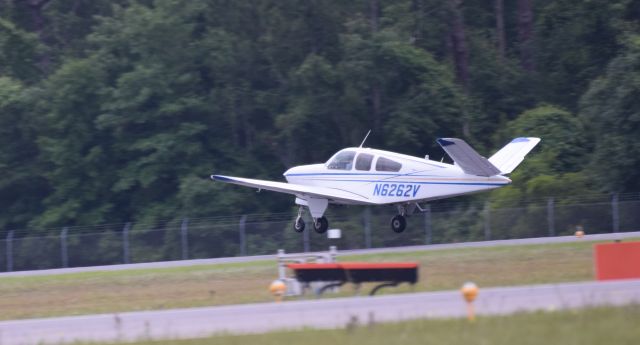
(416,182)
(387,179)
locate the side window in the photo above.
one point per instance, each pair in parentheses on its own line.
(342,161)
(363,162)
(384,164)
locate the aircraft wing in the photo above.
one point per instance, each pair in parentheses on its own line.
(296,189)
(467,158)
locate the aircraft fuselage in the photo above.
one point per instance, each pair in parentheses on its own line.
(417,179)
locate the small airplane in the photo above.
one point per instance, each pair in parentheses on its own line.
(364,176)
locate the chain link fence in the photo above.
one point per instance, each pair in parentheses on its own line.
(362,227)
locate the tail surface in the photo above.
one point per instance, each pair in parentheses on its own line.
(467,158)
(510,156)
(501,163)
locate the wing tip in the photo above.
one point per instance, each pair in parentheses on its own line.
(220,178)
(445,141)
(525,139)
(520,140)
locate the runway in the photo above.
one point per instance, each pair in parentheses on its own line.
(319,313)
(183,263)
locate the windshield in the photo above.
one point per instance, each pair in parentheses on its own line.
(342,161)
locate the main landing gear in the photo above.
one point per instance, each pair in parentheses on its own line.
(398,223)
(320,225)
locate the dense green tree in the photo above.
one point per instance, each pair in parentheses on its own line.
(574,42)
(611,111)
(555,167)
(77,155)
(59,27)
(18,52)
(499,90)
(119,110)
(424,102)
(22,185)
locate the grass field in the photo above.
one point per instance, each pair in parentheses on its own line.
(595,326)
(129,290)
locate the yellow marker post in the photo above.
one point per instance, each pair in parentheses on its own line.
(579,231)
(470,292)
(277,289)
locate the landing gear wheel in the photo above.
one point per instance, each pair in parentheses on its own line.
(320,225)
(298,225)
(398,224)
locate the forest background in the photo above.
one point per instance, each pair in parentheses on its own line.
(117,110)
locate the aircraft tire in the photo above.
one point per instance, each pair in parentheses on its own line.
(298,225)
(321,225)
(398,224)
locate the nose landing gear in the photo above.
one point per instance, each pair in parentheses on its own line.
(298,225)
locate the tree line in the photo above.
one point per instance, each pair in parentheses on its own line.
(119,110)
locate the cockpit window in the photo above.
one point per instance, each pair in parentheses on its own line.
(384,164)
(342,161)
(363,162)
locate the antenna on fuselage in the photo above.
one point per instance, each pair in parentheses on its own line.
(365,138)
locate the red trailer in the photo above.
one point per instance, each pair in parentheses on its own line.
(387,273)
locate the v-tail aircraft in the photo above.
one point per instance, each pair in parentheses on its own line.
(365,176)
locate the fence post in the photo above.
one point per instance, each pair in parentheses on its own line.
(427,224)
(282,268)
(184,238)
(63,247)
(487,221)
(243,235)
(366,219)
(125,243)
(306,241)
(615,213)
(10,251)
(550,217)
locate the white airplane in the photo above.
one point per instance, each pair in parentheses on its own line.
(364,176)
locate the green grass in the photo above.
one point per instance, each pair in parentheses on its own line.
(208,285)
(595,326)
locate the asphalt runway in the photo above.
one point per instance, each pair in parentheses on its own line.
(183,263)
(318,313)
